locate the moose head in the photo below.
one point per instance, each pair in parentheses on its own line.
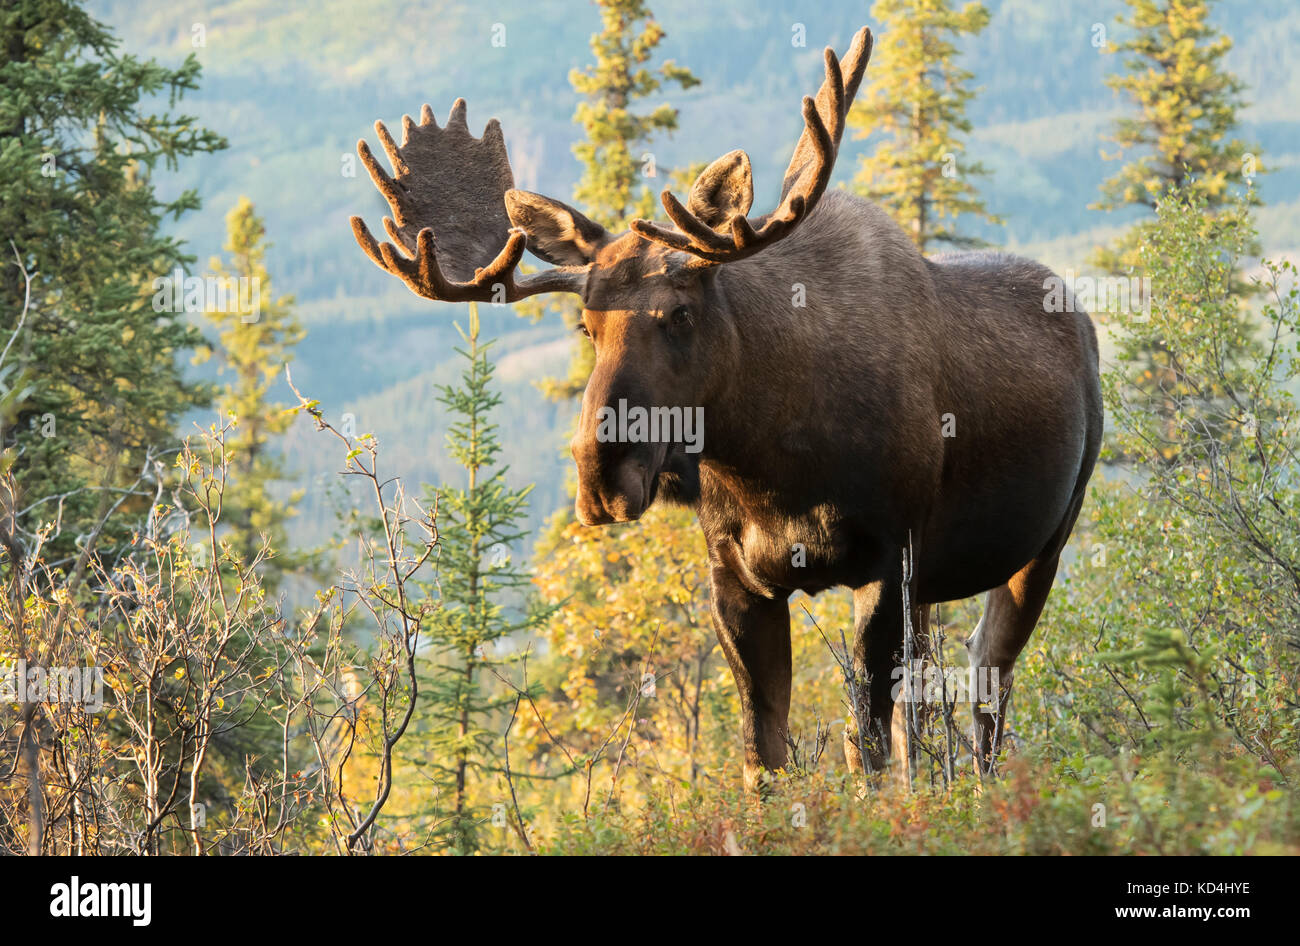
(665,332)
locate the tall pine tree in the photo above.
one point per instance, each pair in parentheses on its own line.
(100,382)
(917,100)
(613,185)
(1183,134)
(257,332)
(1180,147)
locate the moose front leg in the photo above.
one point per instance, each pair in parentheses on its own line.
(754,630)
(877,647)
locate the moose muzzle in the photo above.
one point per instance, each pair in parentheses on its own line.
(616,476)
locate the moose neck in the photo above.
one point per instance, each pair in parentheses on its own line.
(772,354)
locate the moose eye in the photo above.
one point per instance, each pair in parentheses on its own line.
(680,317)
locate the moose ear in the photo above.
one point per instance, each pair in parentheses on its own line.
(725,188)
(556,232)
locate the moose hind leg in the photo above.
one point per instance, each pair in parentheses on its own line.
(1010,615)
(754,632)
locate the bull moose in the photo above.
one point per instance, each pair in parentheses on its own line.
(860,399)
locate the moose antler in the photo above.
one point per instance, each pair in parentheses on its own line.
(448,198)
(735,236)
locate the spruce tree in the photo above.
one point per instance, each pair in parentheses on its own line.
(94,379)
(478,522)
(1182,138)
(257,333)
(1179,147)
(613,185)
(917,99)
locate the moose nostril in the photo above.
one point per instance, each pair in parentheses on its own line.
(630,500)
